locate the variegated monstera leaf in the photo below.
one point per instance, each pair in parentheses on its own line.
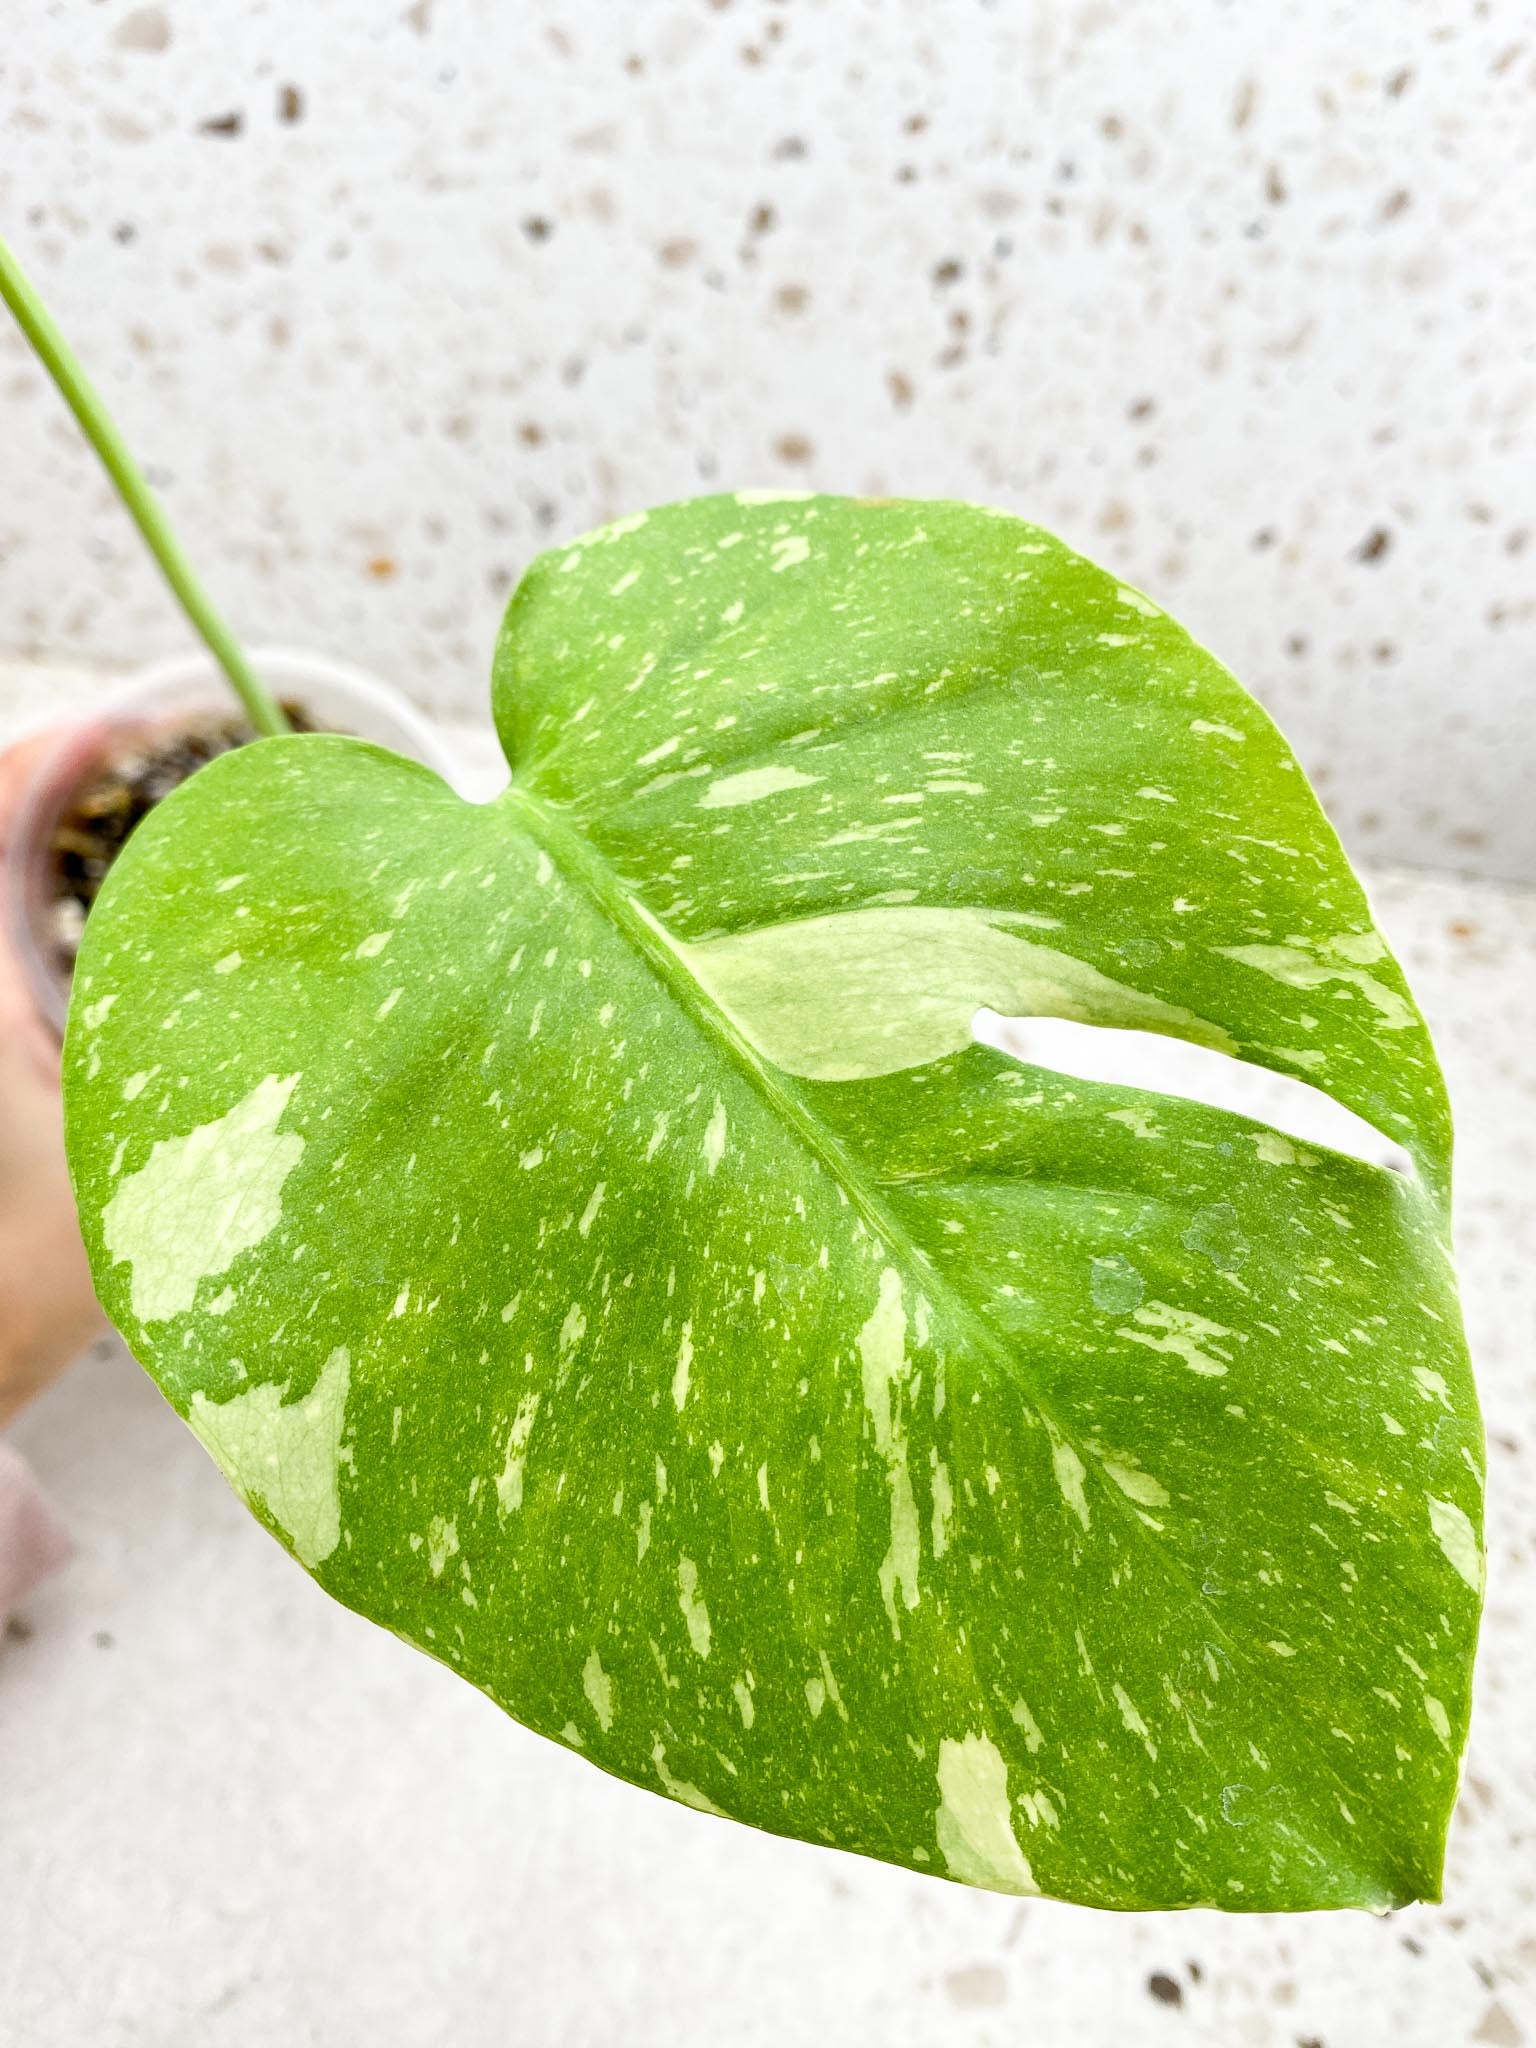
(586,1232)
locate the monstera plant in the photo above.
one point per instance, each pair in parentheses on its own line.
(587,1233)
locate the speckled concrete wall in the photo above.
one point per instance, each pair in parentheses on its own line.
(1238,298)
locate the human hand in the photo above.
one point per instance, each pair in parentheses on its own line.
(48,1313)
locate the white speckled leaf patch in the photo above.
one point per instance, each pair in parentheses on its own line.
(585,1230)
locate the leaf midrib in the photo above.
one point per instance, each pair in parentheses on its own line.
(580,861)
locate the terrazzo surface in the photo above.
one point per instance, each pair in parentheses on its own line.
(391,298)
(232,1812)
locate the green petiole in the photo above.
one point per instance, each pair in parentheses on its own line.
(96,424)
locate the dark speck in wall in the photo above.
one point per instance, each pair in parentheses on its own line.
(793,448)
(222,124)
(290,103)
(104,1639)
(145,29)
(948,272)
(1374,546)
(1497,2026)
(977,1985)
(1165,1989)
(537,228)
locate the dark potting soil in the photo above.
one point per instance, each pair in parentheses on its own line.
(96,826)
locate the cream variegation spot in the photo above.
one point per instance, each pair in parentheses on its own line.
(860,993)
(1304,970)
(885,1372)
(974,1822)
(1458,1540)
(284,1455)
(201,1200)
(730,792)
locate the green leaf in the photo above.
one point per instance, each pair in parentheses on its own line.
(584,1229)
